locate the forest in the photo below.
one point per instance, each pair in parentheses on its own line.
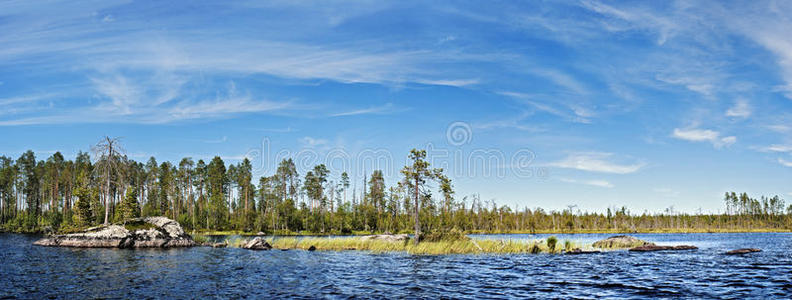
(60,195)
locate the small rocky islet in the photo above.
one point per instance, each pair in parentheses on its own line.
(149,232)
(161,232)
(636,245)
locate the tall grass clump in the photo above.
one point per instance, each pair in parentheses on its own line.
(551,243)
(200,238)
(568,246)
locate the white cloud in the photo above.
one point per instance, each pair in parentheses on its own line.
(597,183)
(704,135)
(570,112)
(563,80)
(313,142)
(781,128)
(216,141)
(777,148)
(449,82)
(785,162)
(741,109)
(383,109)
(596,162)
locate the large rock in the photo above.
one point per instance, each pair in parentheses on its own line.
(653,247)
(620,242)
(151,232)
(386,237)
(743,251)
(257,243)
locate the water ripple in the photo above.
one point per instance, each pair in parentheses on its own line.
(55,273)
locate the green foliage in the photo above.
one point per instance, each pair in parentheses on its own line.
(551,243)
(65,194)
(130,207)
(84,213)
(199,238)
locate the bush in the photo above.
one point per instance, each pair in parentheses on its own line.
(200,239)
(568,245)
(551,243)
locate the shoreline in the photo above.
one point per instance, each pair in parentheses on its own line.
(655,231)
(475,232)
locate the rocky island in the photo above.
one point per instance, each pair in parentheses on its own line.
(150,232)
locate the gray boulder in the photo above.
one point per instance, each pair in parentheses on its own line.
(386,237)
(621,242)
(150,232)
(257,243)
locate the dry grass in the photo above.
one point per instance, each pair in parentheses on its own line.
(470,246)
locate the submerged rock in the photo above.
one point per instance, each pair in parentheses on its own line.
(621,241)
(257,243)
(150,232)
(579,251)
(649,248)
(386,237)
(743,251)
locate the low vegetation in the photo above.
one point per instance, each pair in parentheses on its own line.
(438,247)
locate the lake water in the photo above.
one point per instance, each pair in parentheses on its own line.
(28,271)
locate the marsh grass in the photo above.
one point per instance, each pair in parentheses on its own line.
(200,238)
(463,246)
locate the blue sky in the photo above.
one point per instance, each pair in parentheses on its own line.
(588,103)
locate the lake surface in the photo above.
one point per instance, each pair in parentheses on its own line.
(28,271)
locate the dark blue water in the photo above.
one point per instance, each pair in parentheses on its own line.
(28,271)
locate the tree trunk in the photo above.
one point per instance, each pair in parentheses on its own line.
(417,219)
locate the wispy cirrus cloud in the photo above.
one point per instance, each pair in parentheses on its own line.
(785,163)
(703,135)
(597,183)
(741,109)
(565,110)
(776,148)
(382,109)
(596,162)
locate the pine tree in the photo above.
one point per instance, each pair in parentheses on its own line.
(130,207)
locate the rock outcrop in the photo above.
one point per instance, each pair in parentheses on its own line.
(653,247)
(150,232)
(386,237)
(621,242)
(743,251)
(257,243)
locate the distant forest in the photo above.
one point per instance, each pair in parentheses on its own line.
(56,194)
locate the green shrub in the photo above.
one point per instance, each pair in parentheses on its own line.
(551,243)
(200,238)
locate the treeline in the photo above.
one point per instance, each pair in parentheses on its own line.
(62,195)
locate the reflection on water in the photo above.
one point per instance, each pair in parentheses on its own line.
(27,271)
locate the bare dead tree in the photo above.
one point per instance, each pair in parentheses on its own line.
(109,153)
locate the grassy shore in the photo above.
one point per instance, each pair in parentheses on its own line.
(465,246)
(610,231)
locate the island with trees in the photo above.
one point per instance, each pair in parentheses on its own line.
(57,195)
